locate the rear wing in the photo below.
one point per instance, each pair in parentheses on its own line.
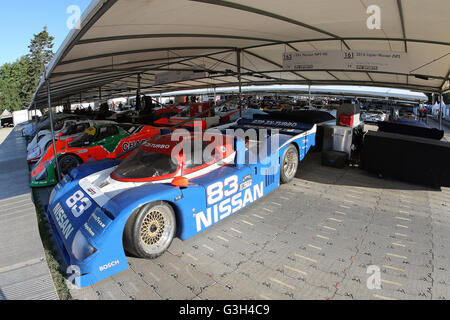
(170,122)
(270,135)
(288,127)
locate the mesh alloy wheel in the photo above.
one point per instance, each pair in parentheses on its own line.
(289,164)
(152,228)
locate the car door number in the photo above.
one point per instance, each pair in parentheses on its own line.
(217,191)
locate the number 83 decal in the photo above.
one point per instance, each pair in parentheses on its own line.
(78,203)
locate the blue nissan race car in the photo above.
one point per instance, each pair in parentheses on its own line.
(102,209)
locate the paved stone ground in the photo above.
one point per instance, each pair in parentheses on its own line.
(311,239)
(24,273)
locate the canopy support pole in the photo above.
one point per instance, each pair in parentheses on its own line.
(309,95)
(100,93)
(440,111)
(52,129)
(238,65)
(138,92)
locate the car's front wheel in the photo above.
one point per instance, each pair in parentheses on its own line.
(150,230)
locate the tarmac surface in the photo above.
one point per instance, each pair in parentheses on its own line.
(24,272)
(4,132)
(325,235)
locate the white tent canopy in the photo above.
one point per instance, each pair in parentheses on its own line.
(121,40)
(356,91)
(6,114)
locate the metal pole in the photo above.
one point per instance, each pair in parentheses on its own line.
(238,64)
(58,172)
(309,95)
(138,92)
(100,93)
(440,112)
(214,96)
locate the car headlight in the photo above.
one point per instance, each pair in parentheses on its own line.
(81,249)
(42,175)
(35,153)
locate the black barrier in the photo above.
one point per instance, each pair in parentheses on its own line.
(416,131)
(407,158)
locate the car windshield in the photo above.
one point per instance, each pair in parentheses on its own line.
(130,128)
(143,164)
(58,125)
(75,128)
(86,138)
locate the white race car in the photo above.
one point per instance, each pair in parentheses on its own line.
(374,116)
(225,109)
(70,128)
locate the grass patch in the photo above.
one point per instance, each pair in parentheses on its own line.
(50,254)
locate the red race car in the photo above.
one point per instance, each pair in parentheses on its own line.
(96,143)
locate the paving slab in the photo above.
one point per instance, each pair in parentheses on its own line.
(24,273)
(313,238)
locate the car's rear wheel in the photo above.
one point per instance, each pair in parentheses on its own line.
(150,230)
(289,164)
(68,162)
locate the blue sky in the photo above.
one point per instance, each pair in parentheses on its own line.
(21,19)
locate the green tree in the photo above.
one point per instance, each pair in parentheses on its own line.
(40,55)
(13,77)
(19,80)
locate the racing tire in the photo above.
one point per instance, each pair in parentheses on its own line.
(150,230)
(68,162)
(289,164)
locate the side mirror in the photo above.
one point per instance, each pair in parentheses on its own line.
(69,140)
(180,182)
